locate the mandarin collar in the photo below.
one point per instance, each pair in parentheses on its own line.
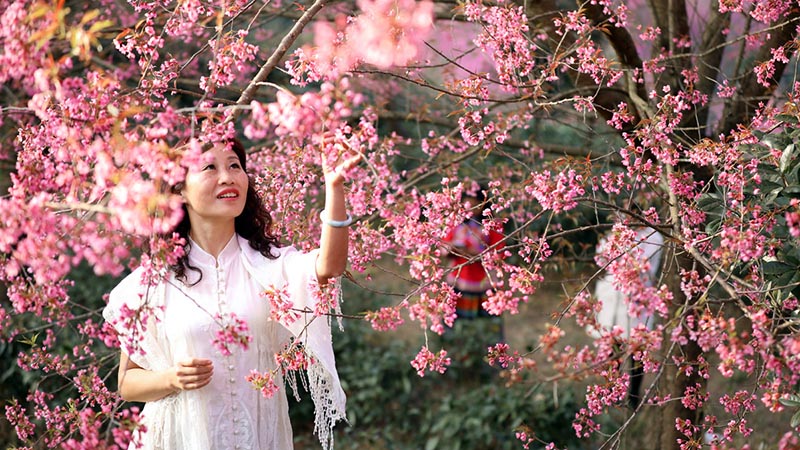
(201,257)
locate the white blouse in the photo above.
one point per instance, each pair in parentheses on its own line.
(229,413)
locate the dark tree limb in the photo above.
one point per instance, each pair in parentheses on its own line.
(745,104)
(708,63)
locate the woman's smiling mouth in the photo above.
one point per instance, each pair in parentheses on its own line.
(228,193)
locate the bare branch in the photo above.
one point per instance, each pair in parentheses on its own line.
(250,91)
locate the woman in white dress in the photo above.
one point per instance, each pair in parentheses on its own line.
(614,303)
(195,390)
(614,312)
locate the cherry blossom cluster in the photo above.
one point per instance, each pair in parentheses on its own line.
(263,382)
(289,361)
(135,321)
(505,38)
(622,258)
(281,308)
(327,299)
(428,361)
(293,358)
(88,431)
(526,440)
(436,306)
(558,191)
(385,318)
(384,34)
(232,333)
(95,157)
(499,355)
(232,55)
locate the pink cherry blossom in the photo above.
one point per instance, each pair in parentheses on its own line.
(428,361)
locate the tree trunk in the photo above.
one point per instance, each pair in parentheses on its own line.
(674,382)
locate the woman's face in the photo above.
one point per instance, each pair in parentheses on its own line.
(217,189)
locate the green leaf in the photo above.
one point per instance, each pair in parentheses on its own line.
(786,118)
(786,157)
(786,279)
(713,226)
(792,256)
(432,443)
(781,202)
(792,173)
(790,400)
(795,419)
(772,196)
(769,185)
(31,340)
(776,267)
(709,201)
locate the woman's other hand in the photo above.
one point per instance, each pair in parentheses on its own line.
(190,374)
(140,385)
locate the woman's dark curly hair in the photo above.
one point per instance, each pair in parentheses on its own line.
(253,224)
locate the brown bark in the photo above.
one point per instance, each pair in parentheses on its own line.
(710,58)
(672,18)
(673,382)
(750,92)
(625,48)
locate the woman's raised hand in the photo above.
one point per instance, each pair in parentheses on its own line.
(337,158)
(192,373)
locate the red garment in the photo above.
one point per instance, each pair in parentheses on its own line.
(470,238)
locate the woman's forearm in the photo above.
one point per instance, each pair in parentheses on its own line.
(137,384)
(332,260)
(141,385)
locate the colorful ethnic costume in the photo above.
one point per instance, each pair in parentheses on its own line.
(470,280)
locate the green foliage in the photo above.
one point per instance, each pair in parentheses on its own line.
(469,407)
(775,195)
(793,401)
(86,297)
(487,416)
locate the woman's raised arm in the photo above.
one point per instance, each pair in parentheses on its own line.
(332,260)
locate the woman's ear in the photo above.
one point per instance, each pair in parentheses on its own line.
(178,189)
